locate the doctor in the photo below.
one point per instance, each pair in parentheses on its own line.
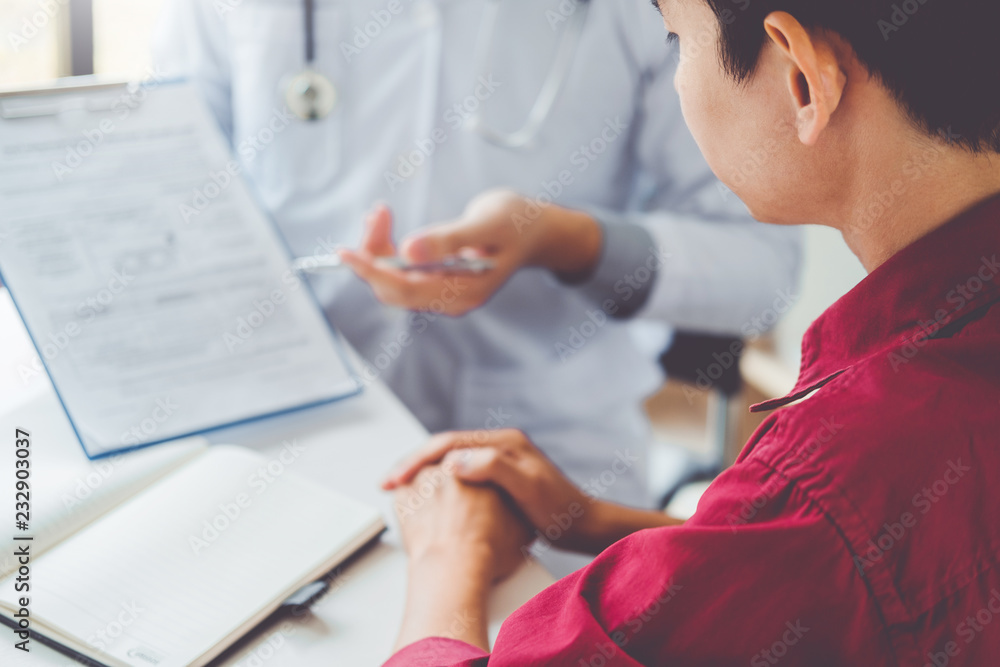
(536,130)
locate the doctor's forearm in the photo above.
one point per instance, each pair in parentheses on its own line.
(612,263)
(569,242)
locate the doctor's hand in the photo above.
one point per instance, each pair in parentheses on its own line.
(552,503)
(512,231)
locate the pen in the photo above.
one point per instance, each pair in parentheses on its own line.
(452,264)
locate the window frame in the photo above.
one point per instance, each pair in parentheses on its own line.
(78,51)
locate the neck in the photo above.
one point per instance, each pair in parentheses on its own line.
(899,201)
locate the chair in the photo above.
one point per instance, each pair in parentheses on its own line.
(706,363)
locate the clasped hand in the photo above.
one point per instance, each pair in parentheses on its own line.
(504,460)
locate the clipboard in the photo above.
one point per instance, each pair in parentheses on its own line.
(143,135)
(31,103)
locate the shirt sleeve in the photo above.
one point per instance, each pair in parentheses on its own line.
(626,247)
(430,653)
(759,574)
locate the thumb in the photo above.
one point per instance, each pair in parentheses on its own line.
(483,464)
(377,240)
(436,243)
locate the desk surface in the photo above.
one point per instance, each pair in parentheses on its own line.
(347,447)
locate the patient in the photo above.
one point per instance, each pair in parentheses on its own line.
(860,524)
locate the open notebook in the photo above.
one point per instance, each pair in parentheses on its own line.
(176,552)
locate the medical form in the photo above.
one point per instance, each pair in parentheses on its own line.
(159,295)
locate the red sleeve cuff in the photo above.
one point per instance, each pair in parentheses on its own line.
(438,652)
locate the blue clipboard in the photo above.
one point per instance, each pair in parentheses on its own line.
(88,85)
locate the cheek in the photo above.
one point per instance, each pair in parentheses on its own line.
(708,112)
(738,130)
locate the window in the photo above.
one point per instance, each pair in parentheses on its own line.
(29,51)
(44,39)
(123,32)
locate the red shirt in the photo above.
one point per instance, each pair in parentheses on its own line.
(860,526)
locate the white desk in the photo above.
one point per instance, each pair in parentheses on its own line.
(347,447)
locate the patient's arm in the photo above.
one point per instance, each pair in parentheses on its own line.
(460,539)
(550,502)
(610,522)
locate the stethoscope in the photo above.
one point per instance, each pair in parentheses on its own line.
(524,137)
(312,96)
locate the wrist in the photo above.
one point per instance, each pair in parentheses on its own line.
(469,562)
(447,594)
(569,242)
(605,523)
(595,527)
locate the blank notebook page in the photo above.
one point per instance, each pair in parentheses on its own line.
(133,585)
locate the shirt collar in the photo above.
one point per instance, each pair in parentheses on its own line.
(921,290)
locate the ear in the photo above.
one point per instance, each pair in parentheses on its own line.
(816,80)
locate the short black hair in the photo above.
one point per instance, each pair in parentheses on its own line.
(939,58)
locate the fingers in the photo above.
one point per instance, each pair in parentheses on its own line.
(390,285)
(436,243)
(485,464)
(431,453)
(377,240)
(441,294)
(362,265)
(462,449)
(410,290)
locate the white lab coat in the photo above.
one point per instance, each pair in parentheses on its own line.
(406,89)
